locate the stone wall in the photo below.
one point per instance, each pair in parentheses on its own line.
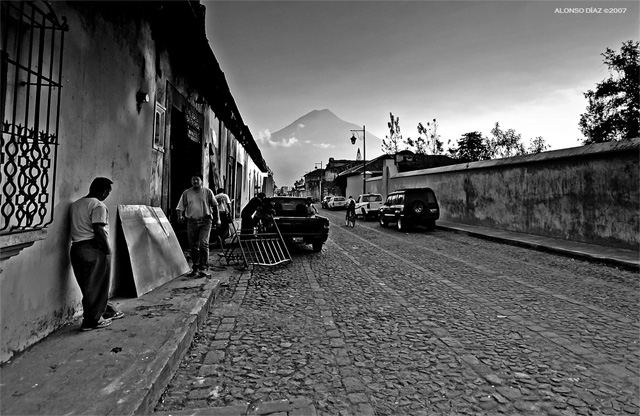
(588,194)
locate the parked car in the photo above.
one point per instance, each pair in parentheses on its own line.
(368,205)
(337,202)
(409,207)
(294,224)
(325,200)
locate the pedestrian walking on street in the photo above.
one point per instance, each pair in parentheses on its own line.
(246,215)
(224,208)
(91,255)
(198,206)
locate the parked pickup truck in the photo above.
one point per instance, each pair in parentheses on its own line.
(295,225)
(368,205)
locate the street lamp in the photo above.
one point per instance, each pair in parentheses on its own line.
(321,177)
(364,155)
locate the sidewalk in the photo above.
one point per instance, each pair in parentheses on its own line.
(123,369)
(627,259)
(119,370)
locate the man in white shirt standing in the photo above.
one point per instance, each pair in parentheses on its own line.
(91,255)
(199,207)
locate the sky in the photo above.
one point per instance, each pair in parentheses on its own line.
(468,64)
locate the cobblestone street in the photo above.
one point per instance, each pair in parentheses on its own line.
(388,323)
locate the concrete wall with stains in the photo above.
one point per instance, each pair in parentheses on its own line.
(109,57)
(588,194)
(101,130)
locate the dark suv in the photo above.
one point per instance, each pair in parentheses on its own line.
(408,207)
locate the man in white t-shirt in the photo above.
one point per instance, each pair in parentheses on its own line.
(91,255)
(198,206)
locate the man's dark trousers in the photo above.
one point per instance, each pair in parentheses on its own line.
(198,231)
(92,268)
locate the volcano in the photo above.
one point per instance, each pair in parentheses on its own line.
(313,138)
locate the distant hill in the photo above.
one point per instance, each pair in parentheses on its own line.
(313,138)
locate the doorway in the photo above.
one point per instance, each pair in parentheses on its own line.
(186,159)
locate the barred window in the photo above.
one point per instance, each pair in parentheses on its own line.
(158,128)
(32,40)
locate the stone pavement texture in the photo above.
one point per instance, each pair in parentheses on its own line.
(331,334)
(417,324)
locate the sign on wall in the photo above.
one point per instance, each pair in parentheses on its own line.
(194,123)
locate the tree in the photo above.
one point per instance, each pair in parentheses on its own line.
(390,145)
(613,111)
(537,145)
(471,147)
(417,146)
(431,140)
(505,143)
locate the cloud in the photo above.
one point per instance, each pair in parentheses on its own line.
(324,145)
(264,137)
(287,142)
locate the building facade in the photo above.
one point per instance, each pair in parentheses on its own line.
(126,90)
(314,184)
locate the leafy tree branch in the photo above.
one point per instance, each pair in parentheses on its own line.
(613,110)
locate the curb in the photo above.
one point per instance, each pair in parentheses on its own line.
(177,349)
(631,266)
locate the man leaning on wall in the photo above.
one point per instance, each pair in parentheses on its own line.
(91,255)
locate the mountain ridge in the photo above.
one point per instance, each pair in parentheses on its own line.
(310,139)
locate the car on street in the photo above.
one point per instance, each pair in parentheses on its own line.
(337,202)
(409,207)
(368,205)
(294,223)
(325,200)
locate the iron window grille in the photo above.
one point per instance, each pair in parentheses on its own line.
(158,128)
(31,81)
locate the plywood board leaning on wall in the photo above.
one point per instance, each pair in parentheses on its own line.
(154,252)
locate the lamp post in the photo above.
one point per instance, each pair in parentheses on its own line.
(321,177)
(364,155)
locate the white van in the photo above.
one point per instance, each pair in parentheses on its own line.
(368,205)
